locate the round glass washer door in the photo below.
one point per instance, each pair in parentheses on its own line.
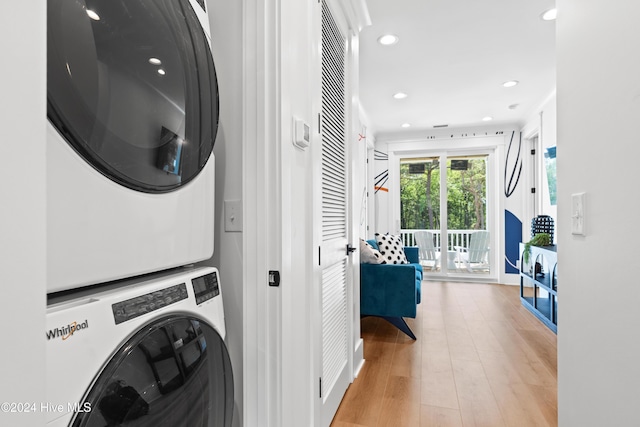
(175,372)
(131,85)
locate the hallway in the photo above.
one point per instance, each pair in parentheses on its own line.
(481,359)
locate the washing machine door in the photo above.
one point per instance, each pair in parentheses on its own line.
(132,88)
(175,372)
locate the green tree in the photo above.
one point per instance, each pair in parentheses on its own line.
(466,196)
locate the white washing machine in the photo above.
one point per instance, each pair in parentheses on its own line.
(146,353)
(132,102)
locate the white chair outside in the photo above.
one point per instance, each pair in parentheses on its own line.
(427,250)
(476,255)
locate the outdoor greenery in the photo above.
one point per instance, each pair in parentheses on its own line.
(550,164)
(466,195)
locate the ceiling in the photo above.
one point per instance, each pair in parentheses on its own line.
(452,59)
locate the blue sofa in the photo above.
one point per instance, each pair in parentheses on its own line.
(392,291)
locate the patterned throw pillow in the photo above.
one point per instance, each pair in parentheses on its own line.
(369,255)
(391,248)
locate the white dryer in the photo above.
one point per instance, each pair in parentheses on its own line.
(132,102)
(148,353)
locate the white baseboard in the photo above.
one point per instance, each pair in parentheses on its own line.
(358,358)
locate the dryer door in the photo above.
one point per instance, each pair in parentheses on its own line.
(174,372)
(131,86)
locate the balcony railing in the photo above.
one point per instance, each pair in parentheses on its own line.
(455,238)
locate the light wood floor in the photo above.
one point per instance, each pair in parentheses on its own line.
(481,359)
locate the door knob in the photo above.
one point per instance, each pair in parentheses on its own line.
(350,249)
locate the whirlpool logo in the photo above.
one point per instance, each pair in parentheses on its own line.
(66,332)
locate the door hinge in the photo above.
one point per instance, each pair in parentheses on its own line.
(533,190)
(319,123)
(533,151)
(319,255)
(320,386)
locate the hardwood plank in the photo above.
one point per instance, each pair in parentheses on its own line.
(407,359)
(461,345)
(522,357)
(439,389)
(517,405)
(343,424)
(547,400)
(498,368)
(433,416)
(432,319)
(362,402)
(368,326)
(401,403)
(540,345)
(478,406)
(438,384)
(379,351)
(480,358)
(386,332)
(483,338)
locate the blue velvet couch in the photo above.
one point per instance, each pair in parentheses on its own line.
(392,291)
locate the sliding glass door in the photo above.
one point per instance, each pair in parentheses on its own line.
(445,201)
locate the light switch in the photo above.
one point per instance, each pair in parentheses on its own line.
(577,213)
(233,215)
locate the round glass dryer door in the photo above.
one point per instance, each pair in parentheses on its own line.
(175,372)
(131,86)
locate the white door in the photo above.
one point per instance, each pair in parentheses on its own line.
(333,256)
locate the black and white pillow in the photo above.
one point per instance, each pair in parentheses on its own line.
(370,255)
(391,248)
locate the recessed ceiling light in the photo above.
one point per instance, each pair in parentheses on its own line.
(388,39)
(93,15)
(550,15)
(406,125)
(510,83)
(400,95)
(487,119)
(154,61)
(161,72)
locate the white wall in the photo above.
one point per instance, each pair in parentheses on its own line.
(23,211)
(225,19)
(299,89)
(598,109)
(278,55)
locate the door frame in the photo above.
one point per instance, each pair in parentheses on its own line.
(471,147)
(279,388)
(354,351)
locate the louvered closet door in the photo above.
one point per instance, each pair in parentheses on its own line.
(333,258)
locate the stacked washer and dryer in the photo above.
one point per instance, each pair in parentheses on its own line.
(135,333)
